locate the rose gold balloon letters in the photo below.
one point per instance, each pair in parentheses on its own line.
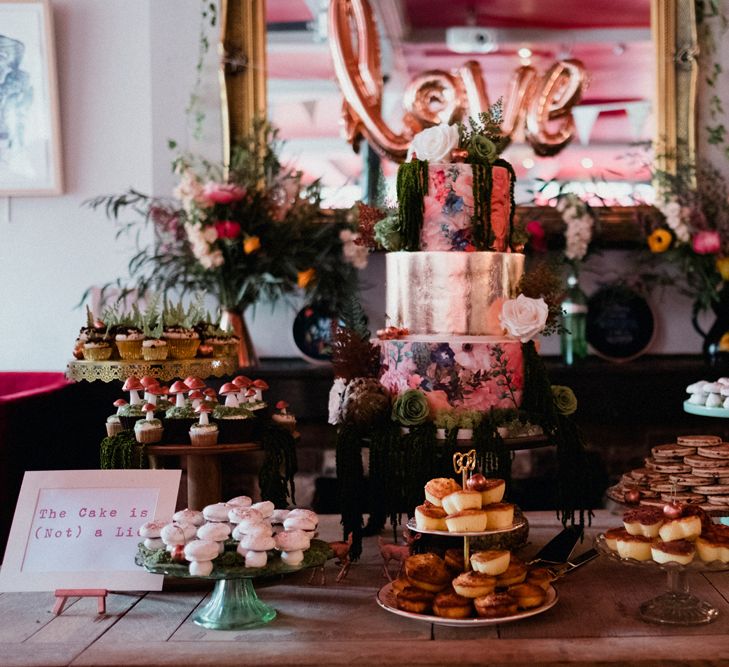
(542,106)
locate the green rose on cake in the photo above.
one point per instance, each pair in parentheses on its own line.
(564,399)
(483,149)
(410,408)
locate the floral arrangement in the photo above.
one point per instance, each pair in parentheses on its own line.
(691,231)
(240,231)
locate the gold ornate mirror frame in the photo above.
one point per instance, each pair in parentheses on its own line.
(242,70)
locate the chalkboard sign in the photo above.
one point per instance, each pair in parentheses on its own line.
(78,529)
(620,323)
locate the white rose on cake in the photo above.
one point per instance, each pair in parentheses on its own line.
(434,144)
(524,317)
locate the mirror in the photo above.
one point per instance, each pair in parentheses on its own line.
(637,92)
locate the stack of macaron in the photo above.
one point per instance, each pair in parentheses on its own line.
(257,530)
(694,471)
(499,585)
(673,535)
(478,508)
(709,394)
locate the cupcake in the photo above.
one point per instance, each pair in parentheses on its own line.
(283,417)
(129,414)
(97,348)
(203,433)
(234,421)
(94,329)
(182,340)
(129,340)
(113,423)
(148,430)
(154,347)
(180,417)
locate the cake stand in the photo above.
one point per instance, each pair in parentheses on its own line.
(677,606)
(233,604)
(703,411)
(169,369)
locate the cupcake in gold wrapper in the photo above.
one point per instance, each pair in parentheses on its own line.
(97,351)
(129,349)
(154,349)
(179,348)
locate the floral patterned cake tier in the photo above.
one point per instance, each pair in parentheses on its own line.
(449,205)
(470,372)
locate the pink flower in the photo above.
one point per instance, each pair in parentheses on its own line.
(463,187)
(706,243)
(537,236)
(222,193)
(227,229)
(437,400)
(414,381)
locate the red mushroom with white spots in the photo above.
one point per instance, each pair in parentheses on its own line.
(282,406)
(152,392)
(210,395)
(195,383)
(229,390)
(148,409)
(133,386)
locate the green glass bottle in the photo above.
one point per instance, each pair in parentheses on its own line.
(574,322)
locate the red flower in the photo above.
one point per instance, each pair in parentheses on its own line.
(222,193)
(227,229)
(537,237)
(707,243)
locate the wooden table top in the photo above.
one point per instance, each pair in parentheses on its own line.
(595,621)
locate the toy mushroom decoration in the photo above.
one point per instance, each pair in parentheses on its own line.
(283,417)
(203,433)
(113,424)
(196,396)
(260,386)
(148,381)
(243,383)
(148,409)
(179,389)
(194,383)
(133,386)
(210,395)
(229,390)
(151,393)
(282,406)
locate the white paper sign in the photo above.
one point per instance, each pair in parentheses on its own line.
(78,529)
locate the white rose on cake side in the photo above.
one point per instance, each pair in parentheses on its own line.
(524,317)
(434,144)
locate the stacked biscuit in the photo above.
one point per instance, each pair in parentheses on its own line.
(694,470)
(648,534)
(499,585)
(257,530)
(450,508)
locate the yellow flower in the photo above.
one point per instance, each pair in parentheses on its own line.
(305,277)
(660,240)
(722,266)
(251,244)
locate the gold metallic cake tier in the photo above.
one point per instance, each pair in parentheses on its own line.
(457,293)
(107,371)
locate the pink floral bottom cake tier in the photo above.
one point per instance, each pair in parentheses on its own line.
(467,372)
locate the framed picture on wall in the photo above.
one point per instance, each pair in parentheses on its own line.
(30,141)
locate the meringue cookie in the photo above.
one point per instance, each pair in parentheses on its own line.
(696,387)
(309,514)
(201,550)
(151,528)
(194,517)
(713,401)
(214,531)
(216,512)
(177,533)
(153,543)
(292,540)
(257,543)
(241,501)
(256,559)
(201,568)
(711,388)
(265,507)
(299,523)
(246,514)
(255,529)
(293,558)
(697,399)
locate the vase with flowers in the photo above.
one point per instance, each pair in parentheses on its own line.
(690,232)
(242,232)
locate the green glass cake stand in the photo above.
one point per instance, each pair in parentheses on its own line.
(234,604)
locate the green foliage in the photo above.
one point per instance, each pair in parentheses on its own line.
(122,451)
(276,475)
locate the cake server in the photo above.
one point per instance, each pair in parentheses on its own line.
(557,551)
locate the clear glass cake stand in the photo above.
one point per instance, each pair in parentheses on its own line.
(677,606)
(234,604)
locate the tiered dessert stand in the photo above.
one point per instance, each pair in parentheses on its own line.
(234,604)
(463,464)
(108,371)
(677,606)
